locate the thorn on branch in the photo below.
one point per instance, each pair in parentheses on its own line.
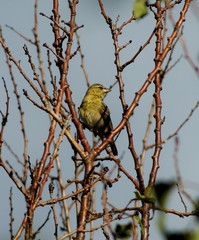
(92,169)
(30,169)
(42,225)
(11,213)
(25,92)
(51,188)
(25,48)
(125,45)
(72,55)
(120,68)
(117,20)
(163,120)
(78,27)
(109,20)
(4,120)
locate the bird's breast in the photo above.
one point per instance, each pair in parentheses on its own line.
(91,117)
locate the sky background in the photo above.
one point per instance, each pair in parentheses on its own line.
(179,95)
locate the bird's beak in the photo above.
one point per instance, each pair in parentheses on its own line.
(106,90)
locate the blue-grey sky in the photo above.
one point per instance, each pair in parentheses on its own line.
(179,95)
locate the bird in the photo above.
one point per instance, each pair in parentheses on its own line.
(95,115)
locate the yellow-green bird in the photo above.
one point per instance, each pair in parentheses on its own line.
(94,113)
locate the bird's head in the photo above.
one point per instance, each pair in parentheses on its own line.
(97,90)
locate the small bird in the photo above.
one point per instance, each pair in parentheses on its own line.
(95,115)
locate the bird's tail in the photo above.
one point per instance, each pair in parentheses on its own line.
(114,148)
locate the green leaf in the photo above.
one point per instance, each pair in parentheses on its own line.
(139,8)
(123,231)
(148,198)
(178,235)
(195,235)
(137,220)
(162,191)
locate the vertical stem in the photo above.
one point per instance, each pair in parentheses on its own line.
(83,214)
(157,97)
(145,221)
(29,224)
(158,121)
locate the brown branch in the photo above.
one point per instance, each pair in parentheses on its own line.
(124,105)
(158,102)
(50,164)
(188,57)
(20,35)
(180,185)
(10,174)
(82,59)
(175,212)
(56,200)
(141,47)
(66,219)
(64,67)
(43,224)
(145,139)
(119,29)
(184,46)
(21,228)
(4,115)
(55,23)
(58,56)
(11,214)
(34,71)
(17,64)
(85,159)
(51,190)
(10,149)
(12,169)
(60,121)
(37,45)
(51,75)
(21,113)
(179,128)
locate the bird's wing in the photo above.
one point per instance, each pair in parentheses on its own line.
(105,115)
(104,111)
